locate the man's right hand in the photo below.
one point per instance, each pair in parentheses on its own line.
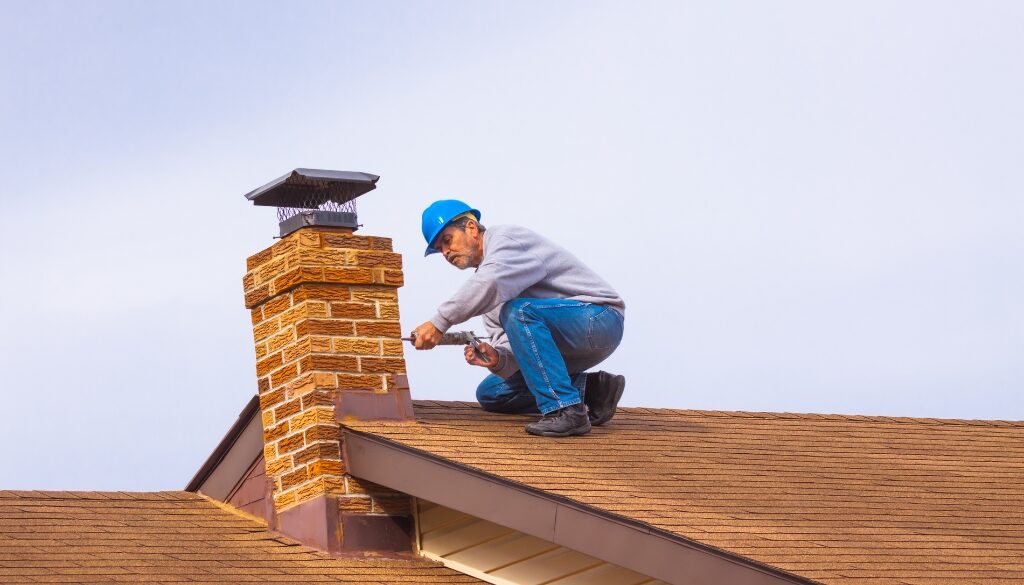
(426,336)
(489,352)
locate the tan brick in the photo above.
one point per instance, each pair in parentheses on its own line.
(378,329)
(361,382)
(379,259)
(295,277)
(284,246)
(248,282)
(347,275)
(278,466)
(313,416)
(265,329)
(353,310)
(271,434)
(287,409)
(276,306)
(336,363)
(324,327)
(284,500)
(258,259)
(394,278)
(268,418)
(303,310)
(381,243)
(318,257)
(309,238)
(297,351)
(369,294)
(256,315)
(281,339)
(261,351)
(263,385)
(270,270)
(320,344)
(387,311)
(398,505)
(325,467)
(318,398)
(357,346)
(346,241)
(294,478)
(321,292)
(267,364)
(319,487)
(361,486)
(382,365)
(284,375)
(322,432)
(393,347)
(269,452)
(357,504)
(319,451)
(256,296)
(291,443)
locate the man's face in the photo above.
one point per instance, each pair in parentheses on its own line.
(462,248)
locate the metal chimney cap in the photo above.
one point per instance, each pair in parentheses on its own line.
(310,188)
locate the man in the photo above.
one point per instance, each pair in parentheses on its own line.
(550,318)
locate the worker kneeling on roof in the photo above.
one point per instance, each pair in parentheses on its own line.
(550,318)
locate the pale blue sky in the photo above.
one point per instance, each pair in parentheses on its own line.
(807,206)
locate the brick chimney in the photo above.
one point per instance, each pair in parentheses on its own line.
(324,306)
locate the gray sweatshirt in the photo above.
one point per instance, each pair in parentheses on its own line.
(519,262)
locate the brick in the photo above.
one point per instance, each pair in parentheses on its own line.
(393,347)
(361,382)
(267,364)
(276,306)
(324,327)
(392,505)
(320,344)
(357,504)
(387,311)
(285,246)
(263,385)
(258,259)
(348,275)
(310,382)
(361,486)
(382,365)
(295,277)
(378,329)
(346,241)
(248,282)
(297,351)
(256,315)
(357,346)
(271,399)
(304,310)
(321,292)
(278,466)
(280,339)
(275,432)
(313,416)
(309,238)
(318,398)
(287,409)
(347,363)
(394,278)
(294,478)
(369,294)
(322,432)
(284,375)
(291,443)
(318,257)
(269,452)
(353,310)
(325,467)
(379,259)
(268,418)
(265,329)
(318,451)
(270,270)
(256,296)
(261,351)
(282,501)
(380,243)
(320,486)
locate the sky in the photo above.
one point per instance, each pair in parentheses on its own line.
(807,206)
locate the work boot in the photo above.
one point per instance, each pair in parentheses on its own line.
(564,422)
(602,396)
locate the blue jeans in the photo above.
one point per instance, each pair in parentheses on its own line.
(554,341)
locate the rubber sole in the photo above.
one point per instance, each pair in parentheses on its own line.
(618,387)
(569,433)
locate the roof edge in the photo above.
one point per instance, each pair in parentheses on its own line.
(225,445)
(628,543)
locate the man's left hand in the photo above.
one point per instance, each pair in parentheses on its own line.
(426,336)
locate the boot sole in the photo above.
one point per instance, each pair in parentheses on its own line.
(569,433)
(620,387)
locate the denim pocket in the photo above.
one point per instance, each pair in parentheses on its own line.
(605,328)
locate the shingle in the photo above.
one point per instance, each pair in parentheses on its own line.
(168,537)
(840,499)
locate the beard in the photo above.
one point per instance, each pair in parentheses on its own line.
(462,261)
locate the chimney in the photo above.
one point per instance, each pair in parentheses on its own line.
(324,305)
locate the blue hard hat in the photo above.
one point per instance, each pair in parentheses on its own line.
(438,215)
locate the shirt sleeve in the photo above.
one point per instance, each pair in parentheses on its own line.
(507,270)
(507,364)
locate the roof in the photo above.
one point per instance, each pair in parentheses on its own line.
(85,537)
(831,498)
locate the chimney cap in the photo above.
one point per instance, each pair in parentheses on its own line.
(310,188)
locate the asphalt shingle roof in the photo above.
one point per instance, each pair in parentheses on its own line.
(842,500)
(169,537)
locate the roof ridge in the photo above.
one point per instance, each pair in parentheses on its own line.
(461,404)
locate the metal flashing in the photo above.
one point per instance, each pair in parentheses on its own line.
(234,455)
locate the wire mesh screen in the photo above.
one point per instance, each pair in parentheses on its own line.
(284,213)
